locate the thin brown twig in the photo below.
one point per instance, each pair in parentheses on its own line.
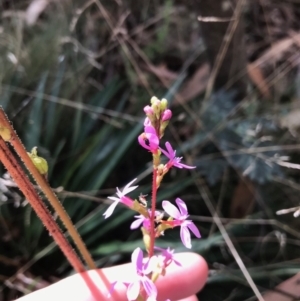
(124,47)
(224,47)
(204,193)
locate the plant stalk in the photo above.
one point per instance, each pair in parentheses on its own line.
(153,207)
(20,178)
(43,184)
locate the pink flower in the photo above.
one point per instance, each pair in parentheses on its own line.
(173,160)
(167,256)
(180,219)
(149,139)
(122,198)
(140,278)
(141,271)
(141,219)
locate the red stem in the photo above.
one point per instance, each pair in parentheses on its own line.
(152,217)
(44,186)
(18,175)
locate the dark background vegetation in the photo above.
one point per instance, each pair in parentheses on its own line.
(74,77)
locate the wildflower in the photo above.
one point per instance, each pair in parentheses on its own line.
(167,256)
(140,278)
(149,139)
(180,219)
(141,219)
(122,198)
(133,288)
(173,160)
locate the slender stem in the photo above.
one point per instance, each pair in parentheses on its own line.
(152,217)
(42,182)
(18,175)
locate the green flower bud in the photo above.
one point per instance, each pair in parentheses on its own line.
(163,104)
(39,162)
(156,107)
(153,100)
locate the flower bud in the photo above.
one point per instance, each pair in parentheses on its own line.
(5,133)
(163,104)
(148,111)
(156,107)
(153,100)
(39,162)
(167,115)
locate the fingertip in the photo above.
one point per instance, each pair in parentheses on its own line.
(184,281)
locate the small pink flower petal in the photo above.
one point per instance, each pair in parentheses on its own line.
(194,229)
(144,141)
(149,287)
(137,259)
(182,206)
(113,198)
(185,237)
(149,129)
(167,154)
(126,189)
(170,149)
(137,223)
(177,262)
(133,290)
(149,140)
(110,209)
(150,265)
(173,160)
(147,122)
(171,209)
(177,164)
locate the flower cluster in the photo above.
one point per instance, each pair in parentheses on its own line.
(150,220)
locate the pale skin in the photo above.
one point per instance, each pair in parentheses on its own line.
(179,283)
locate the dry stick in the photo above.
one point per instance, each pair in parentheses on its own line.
(42,182)
(224,47)
(204,193)
(18,175)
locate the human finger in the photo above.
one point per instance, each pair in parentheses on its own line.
(94,285)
